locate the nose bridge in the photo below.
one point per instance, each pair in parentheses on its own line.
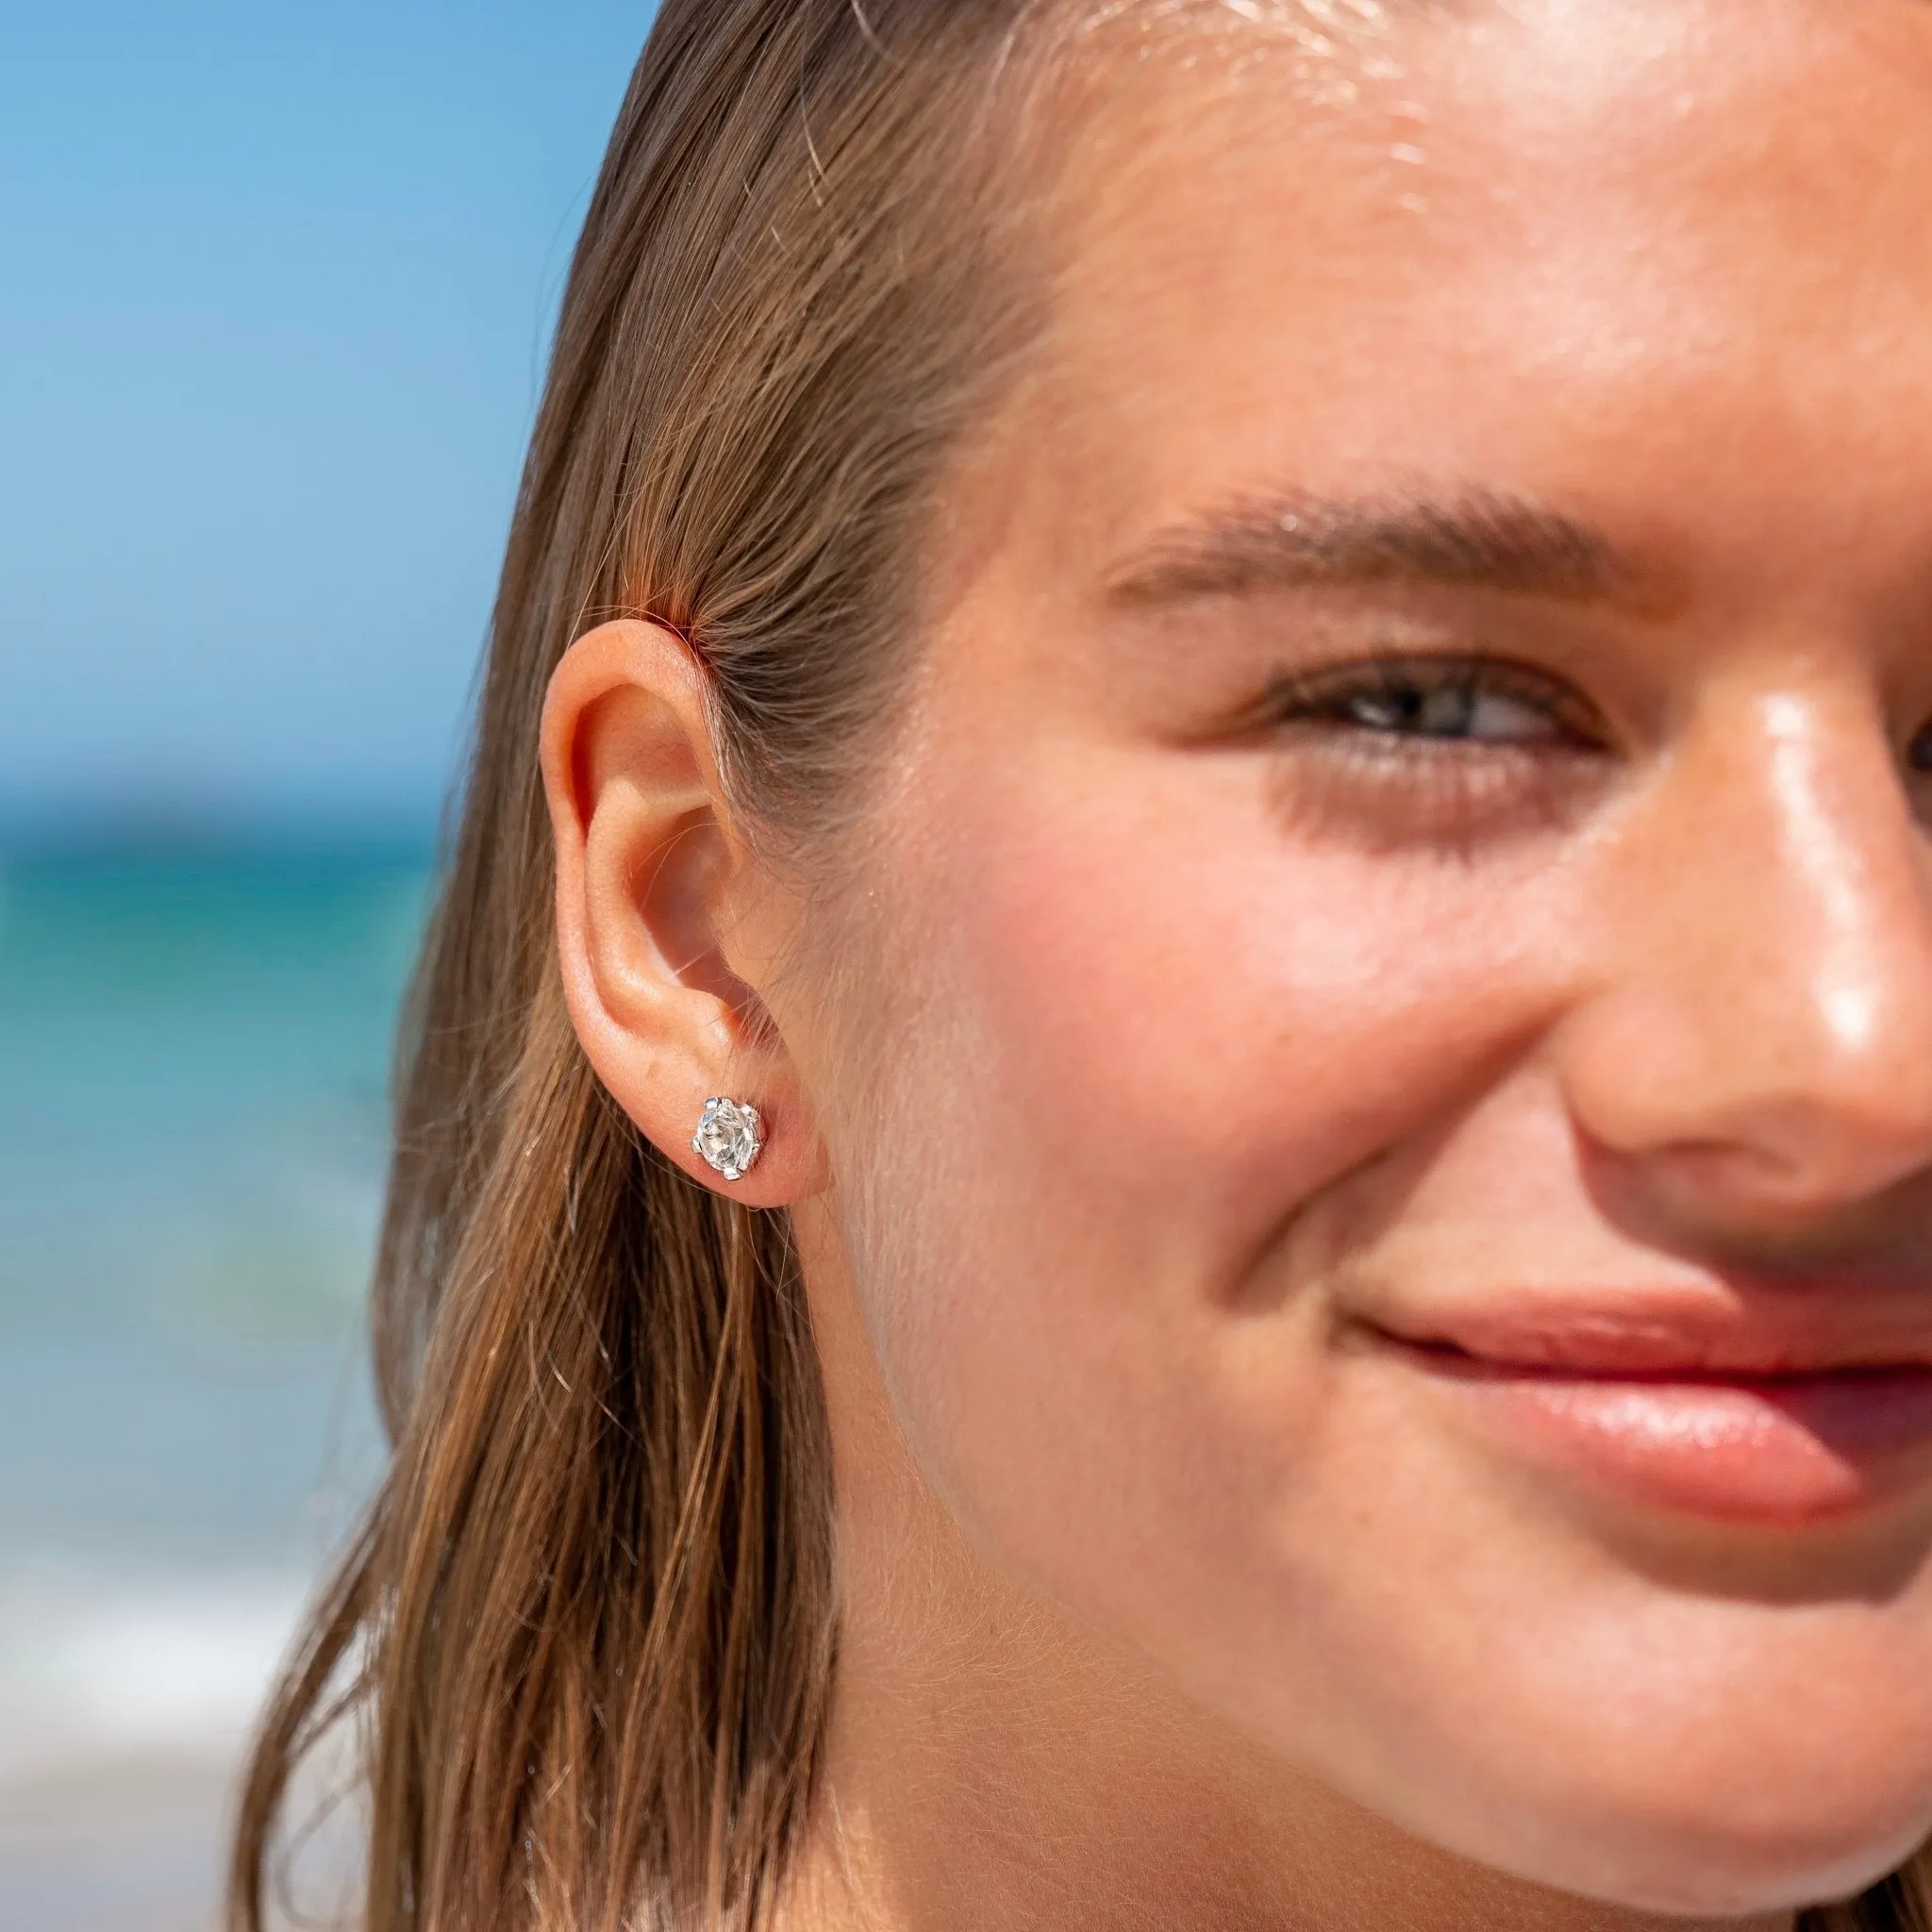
(1775,994)
(1855,917)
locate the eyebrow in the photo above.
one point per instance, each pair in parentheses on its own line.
(1478,538)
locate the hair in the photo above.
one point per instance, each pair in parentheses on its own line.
(585,1635)
(587,1625)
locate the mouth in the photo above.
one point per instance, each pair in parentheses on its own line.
(1685,1412)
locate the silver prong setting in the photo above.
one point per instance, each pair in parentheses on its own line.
(730,1137)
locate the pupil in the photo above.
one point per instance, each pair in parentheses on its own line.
(1442,712)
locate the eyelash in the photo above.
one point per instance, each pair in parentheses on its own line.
(1394,776)
(1341,697)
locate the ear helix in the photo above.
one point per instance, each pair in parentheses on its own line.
(730,1137)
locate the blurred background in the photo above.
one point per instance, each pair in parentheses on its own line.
(277,281)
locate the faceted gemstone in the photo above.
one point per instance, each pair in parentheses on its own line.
(730,1137)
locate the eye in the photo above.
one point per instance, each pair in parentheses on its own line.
(1431,752)
(1462,710)
(1438,701)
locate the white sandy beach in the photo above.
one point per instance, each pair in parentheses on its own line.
(125,1702)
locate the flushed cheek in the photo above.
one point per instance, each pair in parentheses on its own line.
(1172,1024)
(1187,1013)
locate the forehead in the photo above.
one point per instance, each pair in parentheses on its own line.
(1544,239)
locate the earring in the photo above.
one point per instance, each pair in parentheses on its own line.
(730,1137)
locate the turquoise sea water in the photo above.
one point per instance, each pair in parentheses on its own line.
(194,1052)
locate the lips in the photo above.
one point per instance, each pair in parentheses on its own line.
(1692,1406)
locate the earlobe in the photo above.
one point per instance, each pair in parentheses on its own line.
(660,942)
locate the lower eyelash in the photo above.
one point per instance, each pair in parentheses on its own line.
(1391,791)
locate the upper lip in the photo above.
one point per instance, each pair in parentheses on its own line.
(1784,1332)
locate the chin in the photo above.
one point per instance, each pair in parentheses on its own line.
(1810,1843)
(1721,1879)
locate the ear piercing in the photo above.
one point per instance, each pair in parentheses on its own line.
(730,1137)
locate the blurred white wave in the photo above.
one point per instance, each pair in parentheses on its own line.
(100,1671)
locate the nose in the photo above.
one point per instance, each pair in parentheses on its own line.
(1759,1033)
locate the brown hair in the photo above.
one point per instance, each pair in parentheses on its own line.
(587,1625)
(587,1628)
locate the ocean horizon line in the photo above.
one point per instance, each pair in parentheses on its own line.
(32,833)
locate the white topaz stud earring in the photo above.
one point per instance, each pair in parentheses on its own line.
(730,1137)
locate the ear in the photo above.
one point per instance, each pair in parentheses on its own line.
(663,931)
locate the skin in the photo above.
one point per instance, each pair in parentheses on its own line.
(1219,1041)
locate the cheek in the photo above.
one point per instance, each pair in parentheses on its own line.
(1189,1016)
(1169,1023)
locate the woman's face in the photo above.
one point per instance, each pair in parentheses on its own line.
(1417,868)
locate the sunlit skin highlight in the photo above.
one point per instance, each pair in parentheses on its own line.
(1381,1373)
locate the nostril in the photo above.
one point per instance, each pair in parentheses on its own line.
(1742,1121)
(1797,1171)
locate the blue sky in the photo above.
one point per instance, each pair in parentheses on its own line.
(276,281)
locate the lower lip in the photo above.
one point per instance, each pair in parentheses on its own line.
(1781,1452)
